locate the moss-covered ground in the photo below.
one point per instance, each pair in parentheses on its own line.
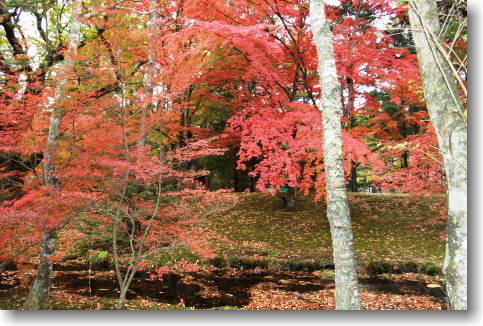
(387,228)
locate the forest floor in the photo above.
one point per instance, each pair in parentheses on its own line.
(278,259)
(388,228)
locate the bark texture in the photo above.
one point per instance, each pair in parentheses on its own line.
(446,112)
(149,85)
(57,112)
(290,198)
(338,213)
(38,298)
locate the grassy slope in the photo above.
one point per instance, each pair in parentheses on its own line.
(388,228)
(395,228)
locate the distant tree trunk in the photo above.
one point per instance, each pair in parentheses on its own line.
(236,179)
(289,198)
(405,155)
(252,183)
(252,180)
(349,107)
(347,112)
(149,89)
(405,160)
(38,298)
(447,116)
(338,213)
(353,186)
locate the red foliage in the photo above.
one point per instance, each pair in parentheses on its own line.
(287,147)
(256,62)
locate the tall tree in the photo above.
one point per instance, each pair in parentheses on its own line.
(448,117)
(338,213)
(39,294)
(149,88)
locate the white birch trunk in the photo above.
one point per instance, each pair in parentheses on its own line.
(38,298)
(56,112)
(338,213)
(446,112)
(149,89)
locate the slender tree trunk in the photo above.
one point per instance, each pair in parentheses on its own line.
(149,89)
(50,179)
(338,213)
(405,156)
(446,112)
(289,198)
(405,160)
(253,183)
(353,186)
(236,179)
(38,298)
(121,302)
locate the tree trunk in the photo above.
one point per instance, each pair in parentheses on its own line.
(253,184)
(121,303)
(338,213)
(236,179)
(349,107)
(50,178)
(149,89)
(38,297)
(405,160)
(446,112)
(353,186)
(289,198)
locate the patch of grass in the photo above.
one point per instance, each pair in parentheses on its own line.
(171,256)
(431,269)
(271,264)
(399,230)
(247,263)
